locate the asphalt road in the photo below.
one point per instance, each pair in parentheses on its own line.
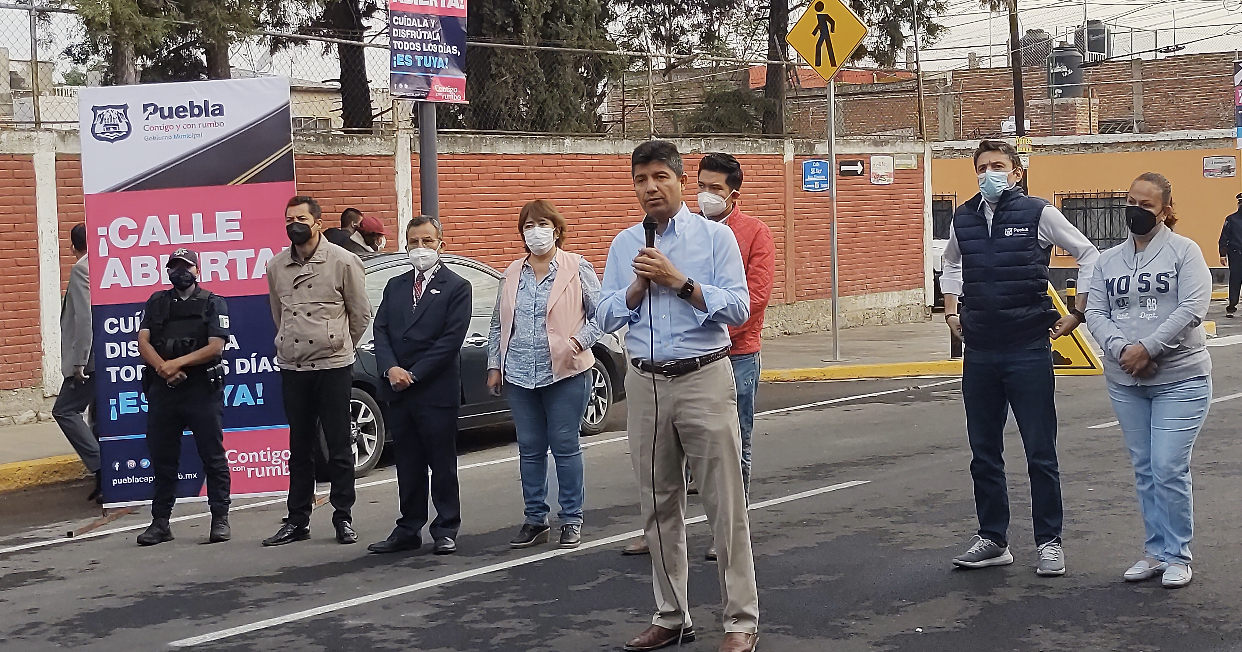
(841,565)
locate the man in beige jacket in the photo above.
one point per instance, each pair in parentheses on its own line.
(319,303)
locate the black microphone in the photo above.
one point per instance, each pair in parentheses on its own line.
(649,225)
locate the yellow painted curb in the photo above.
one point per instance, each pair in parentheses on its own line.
(1220,295)
(853,371)
(1209,327)
(32,473)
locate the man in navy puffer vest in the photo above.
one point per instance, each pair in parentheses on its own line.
(997,262)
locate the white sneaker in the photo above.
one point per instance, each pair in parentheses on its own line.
(1143,570)
(1176,576)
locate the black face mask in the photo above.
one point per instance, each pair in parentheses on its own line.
(1140,220)
(182,279)
(299,233)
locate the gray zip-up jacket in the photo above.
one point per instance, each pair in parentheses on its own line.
(1158,298)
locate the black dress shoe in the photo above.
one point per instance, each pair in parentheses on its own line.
(158,532)
(395,543)
(97,493)
(220,530)
(445,546)
(345,533)
(288,533)
(530,535)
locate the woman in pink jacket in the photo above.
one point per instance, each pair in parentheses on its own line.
(539,350)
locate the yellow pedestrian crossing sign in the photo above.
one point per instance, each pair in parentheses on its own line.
(1071,354)
(827,35)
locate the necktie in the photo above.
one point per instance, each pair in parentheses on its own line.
(418,287)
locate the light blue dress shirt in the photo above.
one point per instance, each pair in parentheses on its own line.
(699,248)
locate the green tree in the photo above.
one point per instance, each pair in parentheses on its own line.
(673,29)
(527,90)
(343,20)
(121,32)
(729,111)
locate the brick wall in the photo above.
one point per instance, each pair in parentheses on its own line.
(481,194)
(19,275)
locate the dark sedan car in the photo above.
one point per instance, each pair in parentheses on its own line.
(478,407)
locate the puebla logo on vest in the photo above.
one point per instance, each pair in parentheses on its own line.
(1011,231)
(110,123)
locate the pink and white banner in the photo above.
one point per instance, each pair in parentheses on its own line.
(207,166)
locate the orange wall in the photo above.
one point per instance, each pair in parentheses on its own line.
(1201,203)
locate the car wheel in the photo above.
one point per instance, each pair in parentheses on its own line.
(599,399)
(366,425)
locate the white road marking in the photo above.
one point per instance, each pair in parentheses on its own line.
(1220,399)
(1229,340)
(467,574)
(473,465)
(856,397)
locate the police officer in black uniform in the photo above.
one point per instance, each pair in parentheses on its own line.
(182,335)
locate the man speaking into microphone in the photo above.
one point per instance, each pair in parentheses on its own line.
(678,283)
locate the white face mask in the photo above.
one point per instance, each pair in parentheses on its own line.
(711,204)
(424,259)
(540,239)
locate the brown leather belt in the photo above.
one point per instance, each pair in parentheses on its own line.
(674,368)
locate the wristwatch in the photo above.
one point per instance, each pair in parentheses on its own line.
(1082,319)
(687,290)
(950,314)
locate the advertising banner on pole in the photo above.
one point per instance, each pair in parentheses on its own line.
(427,48)
(207,166)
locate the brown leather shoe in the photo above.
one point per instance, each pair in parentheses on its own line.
(637,547)
(739,642)
(656,637)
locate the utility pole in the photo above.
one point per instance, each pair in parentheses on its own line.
(1015,63)
(918,70)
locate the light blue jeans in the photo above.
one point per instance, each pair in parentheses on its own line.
(1160,423)
(548,418)
(746,379)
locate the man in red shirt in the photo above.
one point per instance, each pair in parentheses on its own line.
(720,185)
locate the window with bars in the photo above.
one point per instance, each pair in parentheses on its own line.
(942,215)
(1101,216)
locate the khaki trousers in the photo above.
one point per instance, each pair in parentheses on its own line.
(695,419)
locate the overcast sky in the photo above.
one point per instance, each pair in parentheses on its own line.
(971,28)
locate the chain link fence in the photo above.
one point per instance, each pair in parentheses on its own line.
(339,83)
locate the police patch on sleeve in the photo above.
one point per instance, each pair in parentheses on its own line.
(224,321)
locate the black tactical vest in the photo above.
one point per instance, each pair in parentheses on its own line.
(180,327)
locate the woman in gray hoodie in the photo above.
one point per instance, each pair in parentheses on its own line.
(1146,307)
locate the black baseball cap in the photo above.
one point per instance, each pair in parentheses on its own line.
(1239,197)
(185,255)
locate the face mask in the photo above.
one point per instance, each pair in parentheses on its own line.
(539,239)
(992,183)
(1140,220)
(182,279)
(299,233)
(423,259)
(711,204)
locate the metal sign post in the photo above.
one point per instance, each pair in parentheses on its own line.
(826,36)
(832,156)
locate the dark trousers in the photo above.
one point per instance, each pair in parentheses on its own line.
(76,398)
(195,406)
(992,383)
(314,400)
(1235,276)
(425,438)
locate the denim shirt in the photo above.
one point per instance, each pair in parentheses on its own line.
(528,362)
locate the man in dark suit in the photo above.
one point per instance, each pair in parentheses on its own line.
(419,330)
